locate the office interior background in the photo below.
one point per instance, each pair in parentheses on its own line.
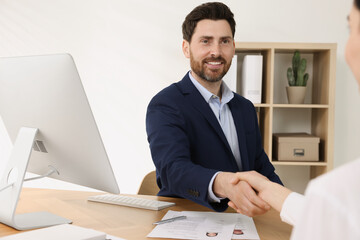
(128,50)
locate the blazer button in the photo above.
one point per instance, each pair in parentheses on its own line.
(193,193)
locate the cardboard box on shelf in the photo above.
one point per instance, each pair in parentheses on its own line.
(296,147)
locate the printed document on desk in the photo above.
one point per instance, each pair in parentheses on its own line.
(206,225)
(244,228)
(195,226)
(244,225)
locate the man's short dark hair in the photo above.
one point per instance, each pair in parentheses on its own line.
(357,4)
(212,11)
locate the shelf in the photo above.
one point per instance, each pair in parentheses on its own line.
(300,106)
(292,163)
(262,105)
(284,46)
(324,106)
(275,115)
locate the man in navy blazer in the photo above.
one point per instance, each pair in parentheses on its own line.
(200,133)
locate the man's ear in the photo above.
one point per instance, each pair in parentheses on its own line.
(186,48)
(234,47)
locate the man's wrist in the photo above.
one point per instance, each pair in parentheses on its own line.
(211,195)
(219,184)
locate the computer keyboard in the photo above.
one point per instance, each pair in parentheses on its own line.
(131,201)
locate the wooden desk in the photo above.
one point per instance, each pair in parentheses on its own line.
(125,222)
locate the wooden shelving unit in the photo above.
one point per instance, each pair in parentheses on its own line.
(315,116)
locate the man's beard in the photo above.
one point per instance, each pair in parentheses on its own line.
(199,68)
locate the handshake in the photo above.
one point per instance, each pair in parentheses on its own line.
(250,193)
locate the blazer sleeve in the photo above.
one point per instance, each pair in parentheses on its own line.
(170,149)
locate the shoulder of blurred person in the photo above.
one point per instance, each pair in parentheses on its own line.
(332,206)
(340,182)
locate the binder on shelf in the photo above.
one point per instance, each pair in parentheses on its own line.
(251,83)
(230,77)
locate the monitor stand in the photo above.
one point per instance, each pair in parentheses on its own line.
(11,185)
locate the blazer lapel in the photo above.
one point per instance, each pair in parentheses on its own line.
(195,99)
(235,108)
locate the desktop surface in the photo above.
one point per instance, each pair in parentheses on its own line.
(125,222)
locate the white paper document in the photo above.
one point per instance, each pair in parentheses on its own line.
(110,237)
(206,225)
(244,228)
(59,232)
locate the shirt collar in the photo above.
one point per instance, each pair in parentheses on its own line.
(227,94)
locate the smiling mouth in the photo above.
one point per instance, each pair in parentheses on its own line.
(214,63)
(214,66)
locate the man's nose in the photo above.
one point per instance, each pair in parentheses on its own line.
(215,50)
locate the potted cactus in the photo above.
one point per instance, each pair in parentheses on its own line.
(297,79)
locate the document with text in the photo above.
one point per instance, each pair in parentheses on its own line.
(206,225)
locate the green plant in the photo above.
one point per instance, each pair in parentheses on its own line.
(296,75)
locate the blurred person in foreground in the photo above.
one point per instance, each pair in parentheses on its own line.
(330,208)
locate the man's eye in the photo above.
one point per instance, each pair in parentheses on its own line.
(204,41)
(225,41)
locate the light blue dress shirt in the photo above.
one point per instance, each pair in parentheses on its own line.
(226,121)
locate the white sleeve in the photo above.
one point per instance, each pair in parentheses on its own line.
(292,208)
(211,195)
(325,217)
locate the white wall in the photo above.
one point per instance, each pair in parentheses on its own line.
(128,50)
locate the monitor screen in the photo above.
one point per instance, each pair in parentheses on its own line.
(46,93)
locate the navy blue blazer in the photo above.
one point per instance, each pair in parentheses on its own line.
(188,145)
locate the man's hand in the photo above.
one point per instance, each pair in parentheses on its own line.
(255,179)
(242,197)
(273,193)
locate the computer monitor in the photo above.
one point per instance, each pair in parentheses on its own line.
(47,115)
